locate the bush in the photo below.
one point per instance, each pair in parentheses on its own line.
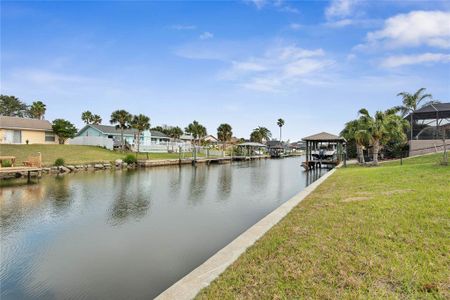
(130,159)
(59,162)
(6,164)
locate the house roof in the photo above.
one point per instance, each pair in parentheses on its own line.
(112,130)
(274,144)
(156,133)
(186,137)
(432,111)
(109,129)
(210,138)
(324,137)
(24,123)
(252,144)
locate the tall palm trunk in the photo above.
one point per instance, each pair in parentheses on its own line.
(412,125)
(376,150)
(280,134)
(121,139)
(138,143)
(360,153)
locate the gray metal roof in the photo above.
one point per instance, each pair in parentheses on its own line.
(111,129)
(24,123)
(324,137)
(252,144)
(156,133)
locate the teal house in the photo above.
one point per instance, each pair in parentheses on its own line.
(147,138)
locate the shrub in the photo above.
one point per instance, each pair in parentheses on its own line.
(6,164)
(59,162)
(130,159)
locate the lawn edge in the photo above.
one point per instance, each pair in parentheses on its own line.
(191,284)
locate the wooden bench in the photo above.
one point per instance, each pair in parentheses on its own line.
(33,161)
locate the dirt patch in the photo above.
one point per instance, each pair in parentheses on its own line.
(355,199)
(395,192)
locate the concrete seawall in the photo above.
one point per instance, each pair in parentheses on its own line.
(191,284)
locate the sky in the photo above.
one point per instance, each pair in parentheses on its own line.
(246,63)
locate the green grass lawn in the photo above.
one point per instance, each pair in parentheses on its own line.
(74,154)
(365,233)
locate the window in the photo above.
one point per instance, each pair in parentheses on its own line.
(17,136)
(49,137)
(13,137)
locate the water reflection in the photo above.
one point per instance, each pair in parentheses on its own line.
(313,175)
(60,194)
(224,182)
(198,184)
(131,234)
(130,201)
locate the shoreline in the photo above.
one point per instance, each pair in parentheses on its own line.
(192,283)
(120,165)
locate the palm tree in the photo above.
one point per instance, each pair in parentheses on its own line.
(224,133)
(412,102)
(175,133)
(96,119)
(381,127)
(122,119)
(197,130)
(86,117)
(355,130)
(260,134)
(140,123)
(280,124)
(37,110)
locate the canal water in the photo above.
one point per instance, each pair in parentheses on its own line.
(131,234)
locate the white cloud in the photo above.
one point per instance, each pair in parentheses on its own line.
(278,68)
(183,27)
(43,77)
(206,35)
(295,26)
(417,28)
(403,60)
(340,8)
(258,3)
(279,5)
(354,22)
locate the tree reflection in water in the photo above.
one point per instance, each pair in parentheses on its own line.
(59,193)
(198,184)
(224,183)
(131,201)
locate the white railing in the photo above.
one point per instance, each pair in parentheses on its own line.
(164,147)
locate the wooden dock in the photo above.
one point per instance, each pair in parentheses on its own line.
(317,164)
(20,170)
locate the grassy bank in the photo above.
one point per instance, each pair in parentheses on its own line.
(367,233)
(74,154)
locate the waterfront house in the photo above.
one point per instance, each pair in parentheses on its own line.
(15,130)
(107,135)
(210,139)
(297,146)
(187,138)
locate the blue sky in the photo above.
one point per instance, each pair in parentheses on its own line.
(247,63)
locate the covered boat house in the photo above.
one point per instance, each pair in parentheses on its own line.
(324,149)
(249,150)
